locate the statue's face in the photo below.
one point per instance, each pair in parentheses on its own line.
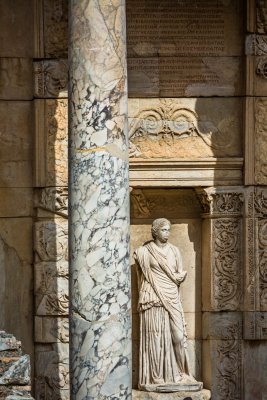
(163,233)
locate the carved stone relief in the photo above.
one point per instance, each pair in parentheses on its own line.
(52,372)
(51,240)
(51,78)
(260,141)
(255,325)
(51,134)
(227,264)
(261,16)
(172,128)
(51,330)
(223,334)
(53,199)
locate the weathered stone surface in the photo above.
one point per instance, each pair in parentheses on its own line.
(15,393)
(51,134)
(201,395)
(184,128)
(51,78)
(16,280)
(255,385)
(162,28)
(222,354)
(16,79)
(51,240)
(8,342)
(184,76)
(51,330)
(260,141)
(16,202)
(51,288)
(15,370)
(16,38)
(255,325)
(52,372)
(16,144)
(54,200)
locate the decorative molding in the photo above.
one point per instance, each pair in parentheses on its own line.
(51,78)
(222,201)
(162,125)
(262,262)
(226,269)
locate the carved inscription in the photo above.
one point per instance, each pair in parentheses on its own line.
(184,76)
(168,27)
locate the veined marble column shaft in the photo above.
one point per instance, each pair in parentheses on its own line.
(99,213)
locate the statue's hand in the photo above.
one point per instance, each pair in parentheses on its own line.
(180,276)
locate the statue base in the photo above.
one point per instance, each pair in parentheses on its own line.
(174,387)
(200,395)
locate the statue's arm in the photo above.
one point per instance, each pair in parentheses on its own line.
(181,273)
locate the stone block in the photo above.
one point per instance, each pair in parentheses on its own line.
(52,372)
(15,393)
(51,166)
(51,288)
(185,128)
(16,144)
(8,342)
(255,325)
(222,354)
(200,395)
(16,79)
(51,29)
(16,202)
(51,330)
(51,78)
(52,199)
(51,240)
(161,28)
(17,20)
(184,76)
(16,280)
(255,356)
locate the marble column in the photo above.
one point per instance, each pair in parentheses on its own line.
(99,209)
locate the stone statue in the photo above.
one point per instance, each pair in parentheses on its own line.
(164,364)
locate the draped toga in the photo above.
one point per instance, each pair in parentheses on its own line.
(163,355)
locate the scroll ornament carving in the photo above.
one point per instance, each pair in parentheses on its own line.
(141,206)
(55,384)
(229,364)
(262,68)
(51,240)
(260,201)
(51,78)
(260,141)
(227,261)
(262,249)
(169,122)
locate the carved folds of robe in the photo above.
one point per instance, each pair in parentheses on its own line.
(163,355)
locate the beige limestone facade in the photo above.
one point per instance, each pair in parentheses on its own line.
(197,122)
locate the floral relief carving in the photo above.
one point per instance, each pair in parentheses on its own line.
(51,78)
(141,206)
(223,203)
(262,68)
(262,259)
(260,201)
(171,130)
(229,364)
(227,264)
(261,16)
(51,240)
(260,141)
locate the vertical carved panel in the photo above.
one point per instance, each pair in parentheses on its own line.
(260,141)
(227,264)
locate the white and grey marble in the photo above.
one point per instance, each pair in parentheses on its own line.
(100,322)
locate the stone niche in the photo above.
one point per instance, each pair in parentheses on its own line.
(182,208)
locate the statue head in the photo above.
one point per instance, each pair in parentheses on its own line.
(157,225)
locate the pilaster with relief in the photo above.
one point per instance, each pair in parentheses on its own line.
(222,248)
